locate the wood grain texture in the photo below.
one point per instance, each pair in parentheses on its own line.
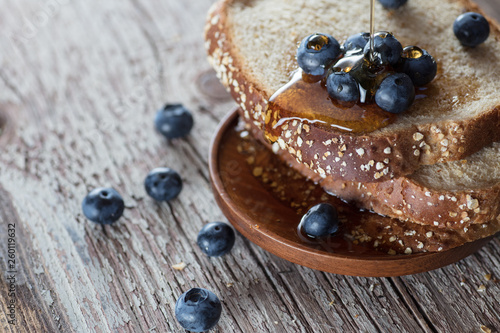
(80,82)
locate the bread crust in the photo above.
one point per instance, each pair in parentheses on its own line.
(394,236)
(406,199)
(371,157)
(386,234)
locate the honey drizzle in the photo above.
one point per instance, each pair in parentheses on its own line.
(306,101)
(372,29)
(305,98)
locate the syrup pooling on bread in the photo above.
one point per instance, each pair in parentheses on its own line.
(359,92)
(305,98)
(361,80)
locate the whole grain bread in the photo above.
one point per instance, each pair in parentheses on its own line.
(252,44)
(389,235)
(449,196)
(454,195)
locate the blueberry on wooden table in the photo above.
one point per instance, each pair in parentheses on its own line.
(198,310)
(471,29)
(163,184)
(174,121)
(103,205)
(320,221)
(216,239)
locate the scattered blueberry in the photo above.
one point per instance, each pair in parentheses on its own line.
(419,65)
(471,29)
(342,86)
(316,52)
(396,93)
(198,310)
(174,121)
(163,184)
(216,239)
(103,205)
(320,221)
(386,48)
(392,4)
(356,43)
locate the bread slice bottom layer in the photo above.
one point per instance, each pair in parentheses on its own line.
(383,233)
(454,195)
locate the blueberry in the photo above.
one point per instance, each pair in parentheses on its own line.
(396,93)
(471,29)
(316,52)
(198,310)
(356,43)
(174,121)
(320,221)
(216,239)
(342,86)
(392,4)
(386,49)
(419,65)
(163,184)
(103,205)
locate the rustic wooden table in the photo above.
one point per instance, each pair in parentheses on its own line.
(80,82)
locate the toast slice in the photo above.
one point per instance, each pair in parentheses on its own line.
(252,45)
(385,234)
(454,195)
(447,196)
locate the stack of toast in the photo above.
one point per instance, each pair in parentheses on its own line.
(434,172)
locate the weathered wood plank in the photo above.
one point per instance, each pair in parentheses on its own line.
(36,302)
(80,82)
(450,298)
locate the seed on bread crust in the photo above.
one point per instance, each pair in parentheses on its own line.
(417,136)
(471,202)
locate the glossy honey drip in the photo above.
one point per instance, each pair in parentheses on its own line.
(372,28)
(301,99)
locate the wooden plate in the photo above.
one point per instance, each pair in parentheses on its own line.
(272,224)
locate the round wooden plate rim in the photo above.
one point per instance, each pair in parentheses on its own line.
(366,265)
